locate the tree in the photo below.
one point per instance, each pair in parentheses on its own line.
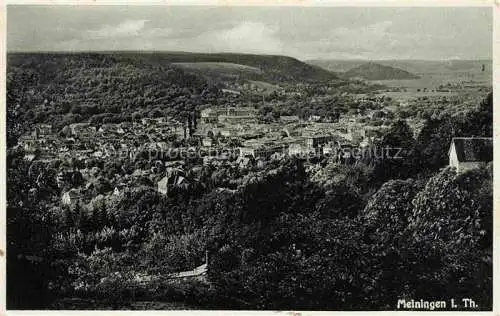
(306,263)
(451,231)
(448,209)
(30,230)
(432,144)
(385,219)
(340,201)
(479,123)
(396,148)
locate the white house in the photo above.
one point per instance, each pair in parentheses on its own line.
(174,178)
(71,197)
(467,153)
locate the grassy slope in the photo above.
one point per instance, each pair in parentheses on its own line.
(274,68)
(220,66)
(221,71)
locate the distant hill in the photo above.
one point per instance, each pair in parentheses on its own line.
(414,66)
(270,68)
(374,71)
(66,88)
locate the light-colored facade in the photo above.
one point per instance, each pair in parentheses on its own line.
(316,140)
(232,115)
(469,153)
(264,151)
(209,116)
(71,197)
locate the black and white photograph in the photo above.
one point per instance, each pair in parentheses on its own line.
(219,157)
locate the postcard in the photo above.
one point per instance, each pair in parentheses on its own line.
(248,157)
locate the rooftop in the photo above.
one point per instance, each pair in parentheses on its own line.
(472,149)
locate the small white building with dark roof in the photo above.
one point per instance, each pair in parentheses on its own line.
(174,177)
(467,153)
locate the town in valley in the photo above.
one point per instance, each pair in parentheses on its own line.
(154,178)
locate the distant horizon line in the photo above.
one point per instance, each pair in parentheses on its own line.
(238,53)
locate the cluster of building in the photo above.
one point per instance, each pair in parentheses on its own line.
(232,115)
(83,140)
(225,137)
(79,148)
(289,135)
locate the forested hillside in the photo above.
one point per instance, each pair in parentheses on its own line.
(350,237)
(282,233)
(274,68)
(61,89)
(375,71)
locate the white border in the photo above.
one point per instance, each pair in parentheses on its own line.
(494,4)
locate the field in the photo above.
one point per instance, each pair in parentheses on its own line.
(432,80)
(413,94)
(414,89)
(432,73)
(220,67)
(264,86)
(452,83)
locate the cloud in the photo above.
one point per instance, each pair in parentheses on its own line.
(380,40)
(68,45)
(302,33)
(365,38)
(129,28)
(250,37)
(158,32)
(342,42)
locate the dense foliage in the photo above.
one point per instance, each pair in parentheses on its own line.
(67,88)
(273,68)
(280,241)
(374,71)
(350,237)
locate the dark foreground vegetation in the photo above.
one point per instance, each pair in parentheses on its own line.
(355,237)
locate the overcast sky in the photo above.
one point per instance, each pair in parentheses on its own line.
(304,33)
